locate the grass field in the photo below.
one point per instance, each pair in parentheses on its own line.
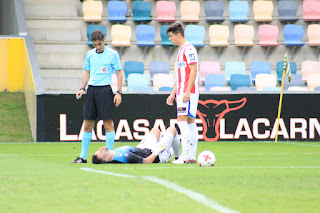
(247,177)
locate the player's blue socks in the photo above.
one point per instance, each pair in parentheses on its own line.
(86,138)
(110,139)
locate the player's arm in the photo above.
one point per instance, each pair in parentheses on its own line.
(192,78)
(149,159)
(85,79)
(172,96)
(117,98)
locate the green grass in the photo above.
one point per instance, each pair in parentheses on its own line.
(247,177)
(14,119)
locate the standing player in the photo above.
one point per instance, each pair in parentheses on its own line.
(99,64)
(187,91)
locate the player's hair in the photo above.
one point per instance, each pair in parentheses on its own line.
(176,28)
(97,35)
(96,160)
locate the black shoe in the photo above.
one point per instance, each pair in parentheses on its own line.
(79,160)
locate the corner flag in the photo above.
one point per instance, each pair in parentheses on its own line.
(286,67)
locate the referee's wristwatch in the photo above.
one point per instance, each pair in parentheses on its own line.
(82,88)
(120,92)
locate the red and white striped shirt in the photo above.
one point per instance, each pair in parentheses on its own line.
(187,55)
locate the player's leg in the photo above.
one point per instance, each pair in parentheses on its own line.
(168,137)
(185,139)
(176,146)
(110,134)
(150,140)
(193,127)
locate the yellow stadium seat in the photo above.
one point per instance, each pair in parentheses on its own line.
(262,11)
(121,35)
(92,11)
(219,35)
(190,11)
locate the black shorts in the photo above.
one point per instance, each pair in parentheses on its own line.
(98,103)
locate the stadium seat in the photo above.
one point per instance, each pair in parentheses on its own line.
(268,36)
(317,89)
(258,67)
(164,36)
(271,89)
(195,34)
(219,35)
(279,69)
(166,11)
(138,83)
(208,67)
(214,11)
(288,11)
(296,80)
(293,37)
(239,80)
(313,81)
(117,11)
(214,80)
(141,11)
(265,80)
(93,27)
(190,11)
(311,10)
(120,35)
(162,89)
(308,67)
(243,35)
(158,67)
(145,35)
(92,11)
(314,37)
(162,80)
(262,11)
(133,67)
(234,67)
(238,11)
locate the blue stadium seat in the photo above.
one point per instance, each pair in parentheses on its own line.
(165,88)
(214,80)
(133,67)
(145,35)
(239,80)
(279,69)
(293,35)
(296,80)
(141,11)
(272,89)
(234,67)
(238,11)
(164,36)
(287,11)
(258,67)
(158,67)
(138,83)
(117,11)
(93,27)
(214,11)
(195,34)
(246,89)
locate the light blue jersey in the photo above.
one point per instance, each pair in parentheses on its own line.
(122,153)
(101,66)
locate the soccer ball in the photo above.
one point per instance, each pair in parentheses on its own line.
(206,159)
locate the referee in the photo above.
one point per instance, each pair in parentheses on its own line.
(99,65)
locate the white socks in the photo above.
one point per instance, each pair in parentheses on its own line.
(185,139)
(194,138)
(176,146)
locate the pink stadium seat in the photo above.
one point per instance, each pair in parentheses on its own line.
(243,35)
(311,10)
(166,11)
(314,34)
(313,81)
(268,35)
(308,67)
(208,67)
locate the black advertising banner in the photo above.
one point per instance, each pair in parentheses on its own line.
(220,117)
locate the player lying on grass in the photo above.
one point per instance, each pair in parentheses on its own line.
(152,149)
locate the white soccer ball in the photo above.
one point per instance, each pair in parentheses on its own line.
(206,159)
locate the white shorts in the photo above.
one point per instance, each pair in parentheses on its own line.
(189,108)
(149,142)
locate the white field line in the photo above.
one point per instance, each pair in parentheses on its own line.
(226,167)
(299,144)
(193,195)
